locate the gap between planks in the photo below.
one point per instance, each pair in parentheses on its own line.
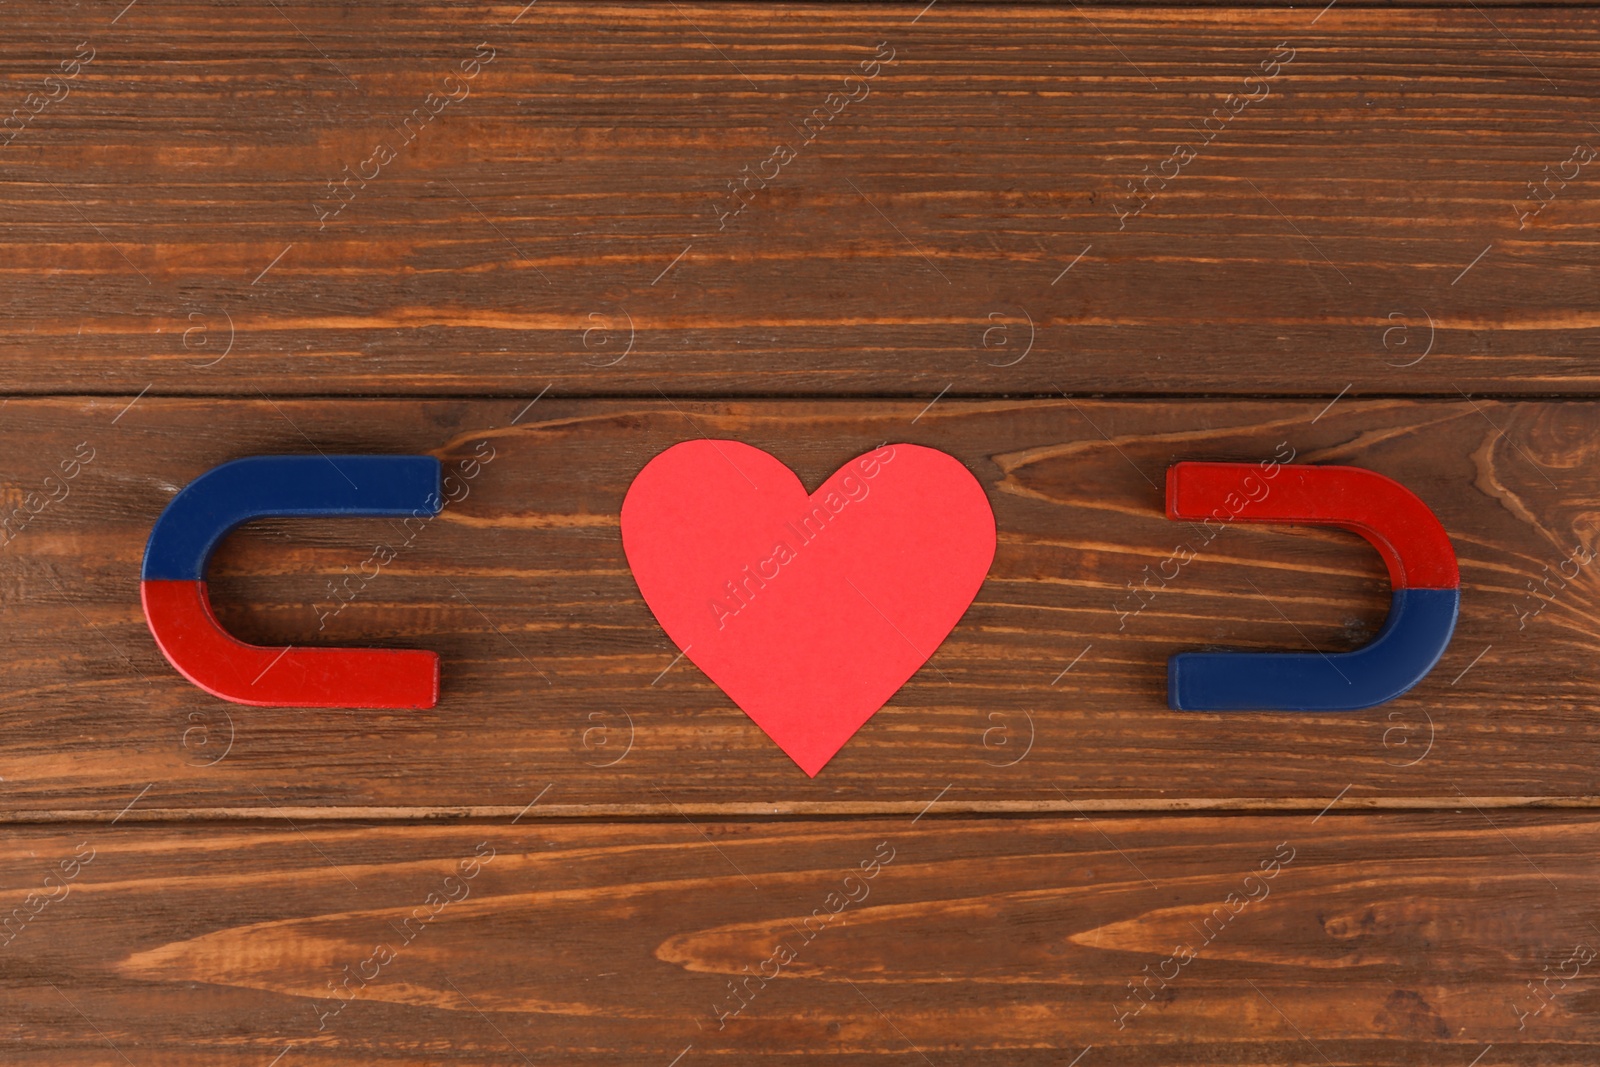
(803,810)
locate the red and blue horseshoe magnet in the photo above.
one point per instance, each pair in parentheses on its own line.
(173,585)
(1423,575)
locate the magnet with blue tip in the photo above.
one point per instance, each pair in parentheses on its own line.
(178,609)
(1424,578)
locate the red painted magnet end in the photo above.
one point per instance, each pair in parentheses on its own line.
(180,616)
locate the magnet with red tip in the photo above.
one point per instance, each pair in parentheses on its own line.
(1423,576)
(173,586)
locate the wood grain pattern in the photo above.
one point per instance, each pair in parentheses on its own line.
(586,855)
(1373,940)
(558,223)
(549,654)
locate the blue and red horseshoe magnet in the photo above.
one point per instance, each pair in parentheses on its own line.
(173,585)
(1423,575)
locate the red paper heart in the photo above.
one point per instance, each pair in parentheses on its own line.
(809,611)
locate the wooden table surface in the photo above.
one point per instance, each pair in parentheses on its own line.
(1068,243)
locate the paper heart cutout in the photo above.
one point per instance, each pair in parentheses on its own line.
(809,611)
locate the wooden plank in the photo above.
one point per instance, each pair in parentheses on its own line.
(556,674)
(1373,940)
(1364,224)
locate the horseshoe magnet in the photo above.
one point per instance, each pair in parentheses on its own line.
(173,584)
(1423,575)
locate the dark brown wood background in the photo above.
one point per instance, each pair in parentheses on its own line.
(1351,268)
